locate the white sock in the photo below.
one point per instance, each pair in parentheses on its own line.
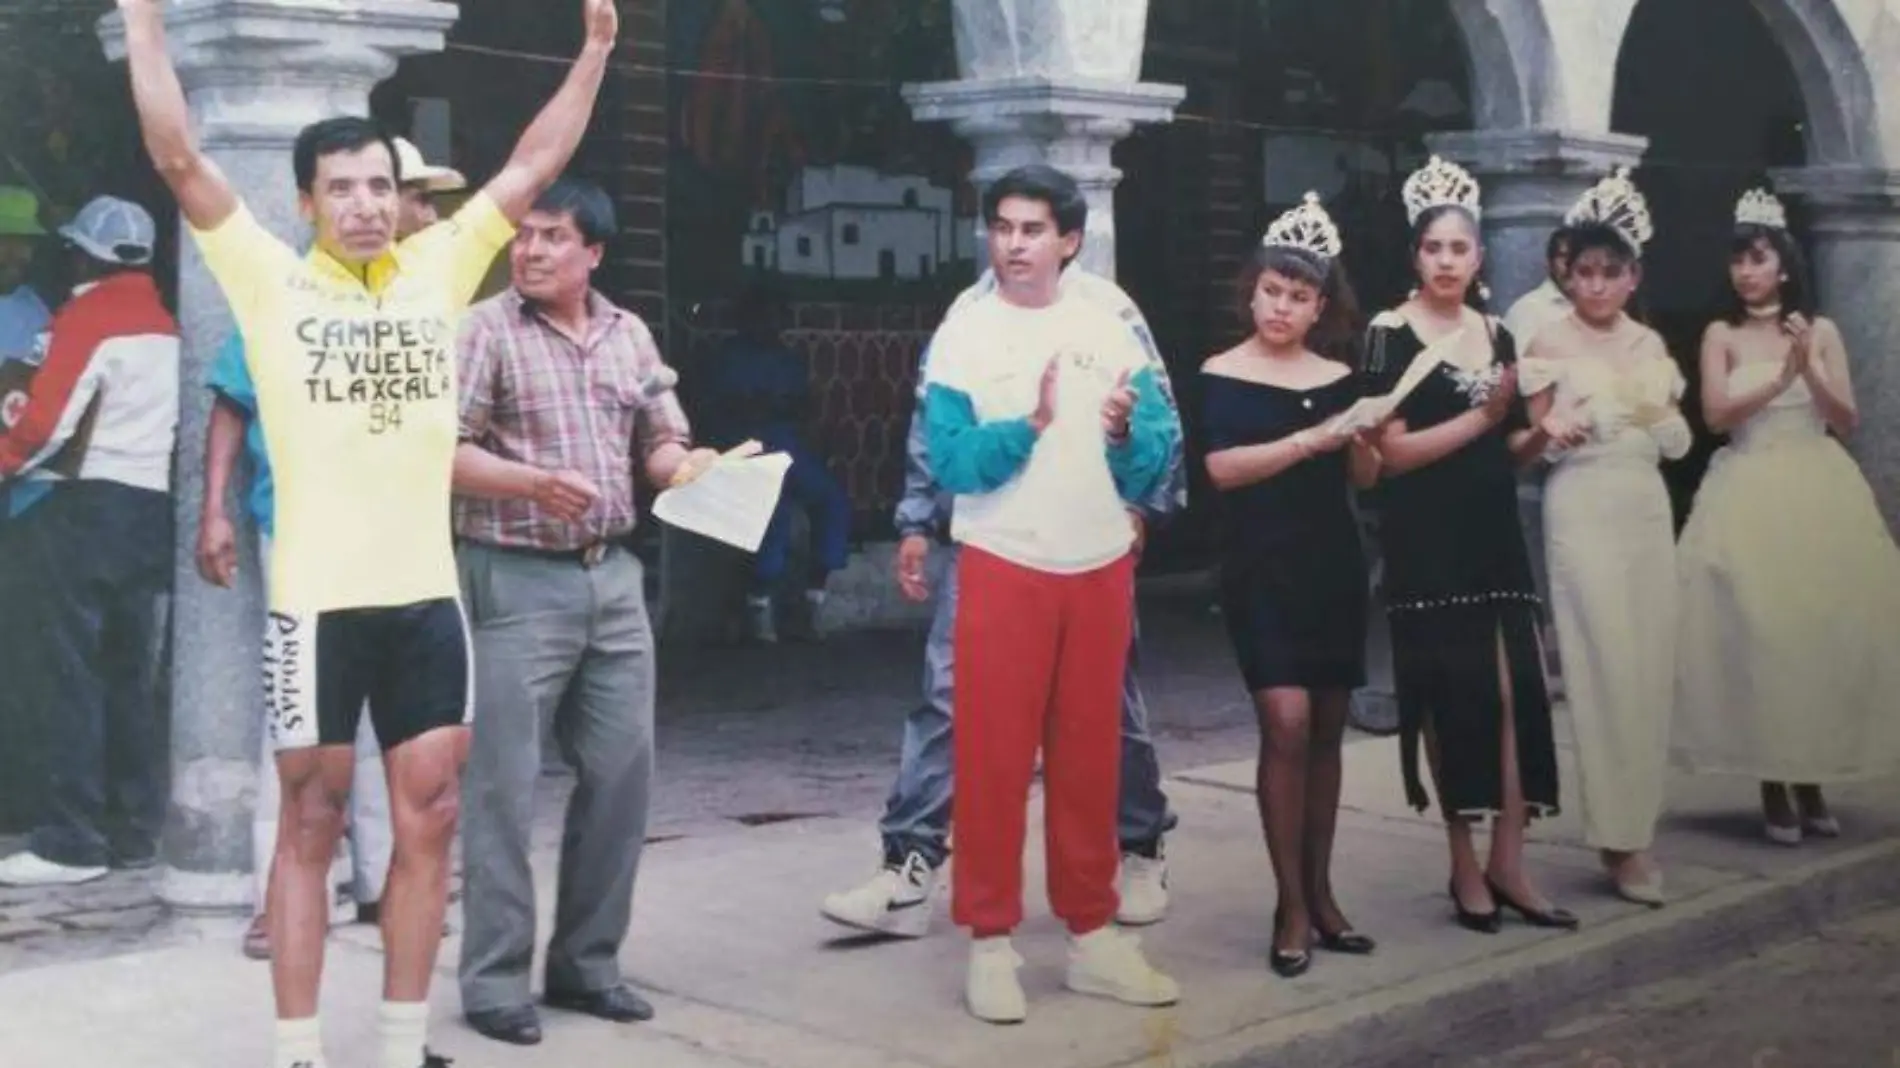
(299,1044)
(405,1029)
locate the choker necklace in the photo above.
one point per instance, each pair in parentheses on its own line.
(1766,312)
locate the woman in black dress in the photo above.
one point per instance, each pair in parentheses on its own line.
(1460,597)
(1293,579)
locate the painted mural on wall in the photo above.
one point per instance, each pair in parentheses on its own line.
(853,223)
(795,157)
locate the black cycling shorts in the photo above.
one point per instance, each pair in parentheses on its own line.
(410,663)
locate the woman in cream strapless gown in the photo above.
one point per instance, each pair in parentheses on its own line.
(1789,578)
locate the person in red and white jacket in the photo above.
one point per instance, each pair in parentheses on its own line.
(97,553)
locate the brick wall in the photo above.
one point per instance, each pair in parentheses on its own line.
(1188,228)
(627,152)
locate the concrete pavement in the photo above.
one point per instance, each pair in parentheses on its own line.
(745,973)
(1826,1000)
(746,735)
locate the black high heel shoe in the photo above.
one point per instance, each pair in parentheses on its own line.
(1284,964)
(1347,941)
(1289,965)
(1555,918)
(1481,922)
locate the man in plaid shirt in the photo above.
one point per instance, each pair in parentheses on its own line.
(560,390)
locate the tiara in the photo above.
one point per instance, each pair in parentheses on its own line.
(1615,202)
(1759,207)
(1438,184)
(1307,228)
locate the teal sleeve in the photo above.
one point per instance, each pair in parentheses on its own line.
(230,378)
(967,456)
(1154,434)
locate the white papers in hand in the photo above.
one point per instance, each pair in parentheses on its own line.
(1366,413)
(1369,412)
(1422,365)
(732,501)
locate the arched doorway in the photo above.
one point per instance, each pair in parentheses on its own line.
(1283,96)
(1719,117)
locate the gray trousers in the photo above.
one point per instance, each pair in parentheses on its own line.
(553,639)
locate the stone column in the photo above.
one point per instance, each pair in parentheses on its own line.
(1050,81)
(255,72)
(1853,217)
(1530,179)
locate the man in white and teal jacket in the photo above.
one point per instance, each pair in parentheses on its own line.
(898,899)
(1047,422)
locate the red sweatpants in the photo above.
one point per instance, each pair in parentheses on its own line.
(1039,661)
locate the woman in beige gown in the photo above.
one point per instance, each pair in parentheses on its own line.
(1790,579)
(1606,391)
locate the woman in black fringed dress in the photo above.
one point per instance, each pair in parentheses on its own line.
(1459,591)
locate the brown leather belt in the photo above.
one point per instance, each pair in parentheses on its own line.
(587,556)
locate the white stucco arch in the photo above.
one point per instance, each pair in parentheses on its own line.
(1499,45)
(1543,64)
(1551,64)
(1842,52)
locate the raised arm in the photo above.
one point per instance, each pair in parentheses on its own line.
(201,190)
(550,140)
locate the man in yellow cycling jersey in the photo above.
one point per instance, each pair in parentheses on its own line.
(351,349)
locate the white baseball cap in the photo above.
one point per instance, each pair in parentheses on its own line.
(113,230)
(415,170)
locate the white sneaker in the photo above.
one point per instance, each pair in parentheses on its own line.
(27,868)
(992,990)
(1144,890)
(896,901)
(1108,963)
(761,620)
(811,625)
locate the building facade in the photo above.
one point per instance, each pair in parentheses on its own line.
(834,147)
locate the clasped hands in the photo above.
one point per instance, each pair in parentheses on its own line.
(1117,408)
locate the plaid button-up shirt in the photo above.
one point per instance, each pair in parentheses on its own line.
(532,394)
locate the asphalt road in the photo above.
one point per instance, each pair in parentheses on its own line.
(1831,1001)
